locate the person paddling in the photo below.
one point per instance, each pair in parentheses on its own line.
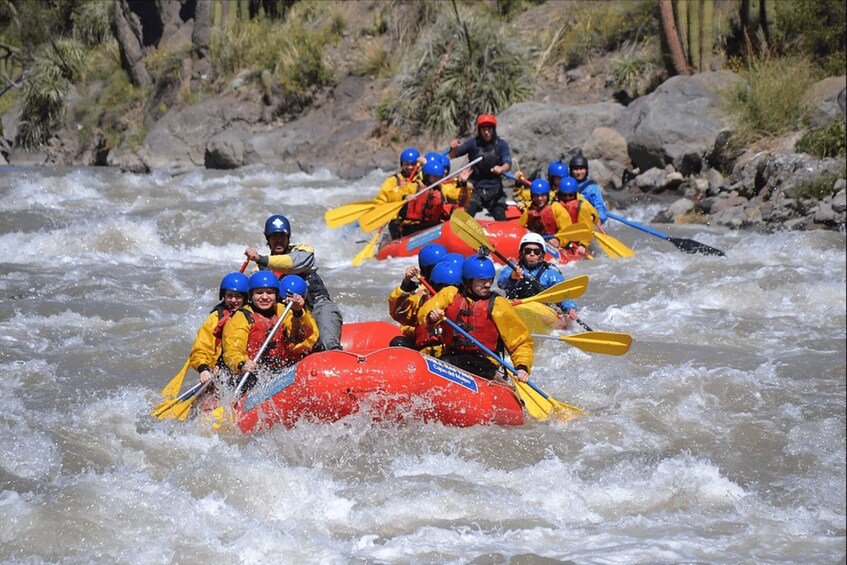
(488,193)
(403,183)
(406,298)
(532,274)
(569,209)
(287,259)
(486,316)
(205,356)
(587,187)
(244,335)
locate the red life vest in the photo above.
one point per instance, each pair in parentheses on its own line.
(224,316)
(427,208)
(260,326)
(426,336)
(541,221)
(572,207)
(476,320)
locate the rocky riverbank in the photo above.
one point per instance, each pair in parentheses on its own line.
(669,145)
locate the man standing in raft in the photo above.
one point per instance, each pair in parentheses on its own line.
(486,316)
(496,156)
(286,259)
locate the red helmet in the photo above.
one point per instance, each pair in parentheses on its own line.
(486,120)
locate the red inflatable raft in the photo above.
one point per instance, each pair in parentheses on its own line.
(389,383)
(504,236)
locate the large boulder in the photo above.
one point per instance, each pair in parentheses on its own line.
(827,99)
(540,133)
(679,123)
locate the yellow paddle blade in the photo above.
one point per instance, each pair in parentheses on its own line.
(607,343)
(565,290)
(543,407)
(535,404)
(172,388)
(469,230)
(347,213)
(613,247)
(368,250)
(539,317)
(380,215)
(575,232)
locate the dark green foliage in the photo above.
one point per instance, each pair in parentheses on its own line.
(825,142)
(92,22)
(450,84)
(816,28)
(815,189)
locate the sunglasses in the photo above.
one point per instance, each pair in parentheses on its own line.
(532,251)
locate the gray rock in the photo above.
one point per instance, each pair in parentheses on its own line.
(540,133)
(651,179)
(824,214)
(225,150)
(679,123)
(733,217)
(839,202)
(680,207)
(826,100)
(606,144)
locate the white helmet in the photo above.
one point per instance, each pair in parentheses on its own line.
(532,237)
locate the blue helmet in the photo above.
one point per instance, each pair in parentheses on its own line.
(409,155)
(455,258)
(234,281)
(293,284)
(477,267)
(263,279)
(434,168)
(432,156)
(568,185)
(446,273)
(557,169)
(277,224)
(445,162)
(430,255)
(539,186)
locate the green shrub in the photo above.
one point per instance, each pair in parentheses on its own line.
(373,60)
(825,142)
(816,29)
(814,189)
(771,101)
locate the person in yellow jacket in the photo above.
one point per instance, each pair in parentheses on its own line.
(403,183)
(571,208)
(245,334)
(407,297)
(486,316)
(205,356)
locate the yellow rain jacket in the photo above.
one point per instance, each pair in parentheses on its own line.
(396,188)
(587,214)
(296,336)
(207,348)
(513,332)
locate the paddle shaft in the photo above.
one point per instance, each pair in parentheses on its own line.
(684,244)
(264,345)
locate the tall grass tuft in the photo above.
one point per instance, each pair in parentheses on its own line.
(451,77)
(770,102)
(44,93)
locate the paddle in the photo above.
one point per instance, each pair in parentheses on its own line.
(565,290)
(347,213)
(610,246)
(264,346)
(607,343)
(178,407)
(368,251)
(172,388)
(471,232)
(538,403)
(685,244)
(384,213)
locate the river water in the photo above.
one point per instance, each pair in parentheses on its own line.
(719,438)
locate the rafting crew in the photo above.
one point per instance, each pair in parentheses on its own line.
(250,326)
(205,356)
(488,193)
(486,316)
(532,274)
(287,259)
